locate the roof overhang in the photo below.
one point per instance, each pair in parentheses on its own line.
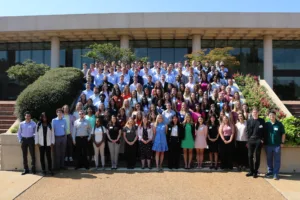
(139,26)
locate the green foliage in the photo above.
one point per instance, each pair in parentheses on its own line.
(256,95)
(14,129)
(27,72)
(109,52)
(292,130)
(57,87)
(216,54)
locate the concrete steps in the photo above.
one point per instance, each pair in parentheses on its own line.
(7,117)
(294,107)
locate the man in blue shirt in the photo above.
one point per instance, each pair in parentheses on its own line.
(275,138)
(26,134)
(59,127)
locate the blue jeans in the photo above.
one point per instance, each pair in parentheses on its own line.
(273,158)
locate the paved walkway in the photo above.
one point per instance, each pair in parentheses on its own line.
(12,183)
(146,185)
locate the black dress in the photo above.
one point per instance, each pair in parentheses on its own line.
(213,147)
(145,149)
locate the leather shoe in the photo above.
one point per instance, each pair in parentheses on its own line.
(249,174)
(255,175)
(25,172)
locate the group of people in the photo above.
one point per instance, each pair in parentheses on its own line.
(145,111)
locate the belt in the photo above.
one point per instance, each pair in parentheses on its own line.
(60,135)
(81,136)
(27,137)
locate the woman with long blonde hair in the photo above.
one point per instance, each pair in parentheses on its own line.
(160,141)
(188,140)
(126,106)
(130,137)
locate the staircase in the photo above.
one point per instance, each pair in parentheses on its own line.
(7,117)
(293,106)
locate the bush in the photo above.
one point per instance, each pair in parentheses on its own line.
(256,95)
(57,87)
(292,130)
(14,129)
(27,72)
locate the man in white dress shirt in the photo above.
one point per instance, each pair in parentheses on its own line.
(190,84)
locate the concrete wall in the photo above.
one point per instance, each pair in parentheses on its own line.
(150,20)
(11,156)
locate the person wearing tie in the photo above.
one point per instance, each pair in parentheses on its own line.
(26,135)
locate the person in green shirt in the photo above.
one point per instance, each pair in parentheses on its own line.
(275,138)
(90,117)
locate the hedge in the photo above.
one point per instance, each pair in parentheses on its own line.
(51,91)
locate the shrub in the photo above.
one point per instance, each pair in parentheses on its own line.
(27,72)
(292,130)
(256,95)
(14,129)
(57,87)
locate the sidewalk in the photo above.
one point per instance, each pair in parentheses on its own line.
(13,183)
(288,186)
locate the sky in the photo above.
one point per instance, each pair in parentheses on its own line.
(53,7)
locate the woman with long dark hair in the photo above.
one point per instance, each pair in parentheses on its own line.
(213,141)
(145,135)
(44,138)
(113,135)
(174,135)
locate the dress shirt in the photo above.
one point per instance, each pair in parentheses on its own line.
(59,126)
(98,80)
(145,79)
(70,123)
(95,98)
(233,89)
(126,78)
(88,93)
(122,85)
(157,77)
(82,128)
(191,86)
(132,87)
(167,116)
(170,78)
(26,129)
(112,78)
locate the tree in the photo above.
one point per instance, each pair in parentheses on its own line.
(217,54)
(27,72)
(109,52)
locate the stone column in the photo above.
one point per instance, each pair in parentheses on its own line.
(55,47)
(124,41)
(268,60)
(196,43)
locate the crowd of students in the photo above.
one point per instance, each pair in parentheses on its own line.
(145,111)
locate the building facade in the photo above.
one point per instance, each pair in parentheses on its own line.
(266,44)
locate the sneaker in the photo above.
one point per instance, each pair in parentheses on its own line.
(70,159)
(276,177)
(249,174)
(255,175)
(66,159)
(269,174)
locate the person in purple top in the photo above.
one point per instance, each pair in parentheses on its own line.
(26,134)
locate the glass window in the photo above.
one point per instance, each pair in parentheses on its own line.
(62,57)
(77,58)
(3,61)
(287,88)
(25,55)
(167,54)
(154,54)
(47,57)
(220,43)
(141,52)
(86,60)
(38,56)
(179,54)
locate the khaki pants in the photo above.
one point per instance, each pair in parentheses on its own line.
(100,150)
